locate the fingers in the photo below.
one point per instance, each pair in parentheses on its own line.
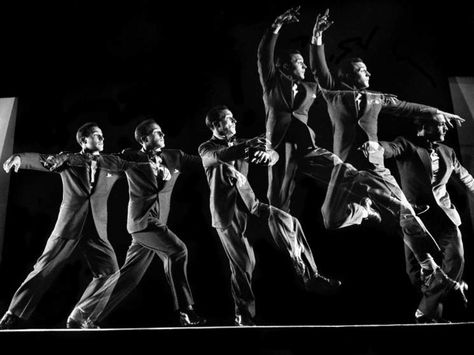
(7,165)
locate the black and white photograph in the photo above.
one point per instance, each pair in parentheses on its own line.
(237,177)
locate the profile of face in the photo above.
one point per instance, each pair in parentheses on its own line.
(436,131)
(155,139)
(297,66)
(361,75)
(225,127)
(94,142)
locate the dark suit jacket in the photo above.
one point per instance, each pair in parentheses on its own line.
(226,195)
(280,107)
(150,197)
(414,164)
(78,197)
(346,119)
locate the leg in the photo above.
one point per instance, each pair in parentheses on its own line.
(97,306)
(290,239)
(434,292)
(55,254)
(242,264)
(281,178)
(102,261)
(174,254)
(341,207)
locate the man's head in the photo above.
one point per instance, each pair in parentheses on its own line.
(221,122)
(354,72)
(292,64)
(90,137)
(433,129)
(149,135)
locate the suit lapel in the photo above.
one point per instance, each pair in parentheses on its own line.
(426,160)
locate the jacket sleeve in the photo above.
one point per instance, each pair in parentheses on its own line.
(265,58)
(395,148)
(394,106)
(189,161)
(462,174)
(319,67)
(35,161)
(213,154)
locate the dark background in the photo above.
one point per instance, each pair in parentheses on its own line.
(110,62)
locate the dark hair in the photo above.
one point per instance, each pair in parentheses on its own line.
(285,58)
(215,115)
(346,71)
(85,131)
(143,129)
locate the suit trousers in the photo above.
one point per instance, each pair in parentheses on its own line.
(451,259)
(288,237)
(159,240)
(348,186)
(100,257)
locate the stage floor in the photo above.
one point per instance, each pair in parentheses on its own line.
(272,340)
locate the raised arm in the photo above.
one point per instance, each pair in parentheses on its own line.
(266,47)
(317,56)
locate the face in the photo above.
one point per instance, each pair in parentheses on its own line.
(436,131)
(155,139)
(226,126)
(361,75)
(298,67)
(95,141)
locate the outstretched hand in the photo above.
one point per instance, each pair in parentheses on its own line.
(14,161)
(450,117)
(289,16)
(322,23)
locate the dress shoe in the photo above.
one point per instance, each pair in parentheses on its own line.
(243,321)
(76,320)
(83,324)
(11,321)
(189,318)
(322,285)
(373,215)
(439,276)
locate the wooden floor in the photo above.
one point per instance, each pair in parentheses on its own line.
(427,339)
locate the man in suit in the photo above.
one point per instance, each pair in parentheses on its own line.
(288,98)
(87,179)
(354,113)
(226,163)
(425,166)
(151,184)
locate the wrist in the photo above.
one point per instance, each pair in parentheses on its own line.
(276,27)
(317,39)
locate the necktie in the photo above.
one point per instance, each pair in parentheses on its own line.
(91,167)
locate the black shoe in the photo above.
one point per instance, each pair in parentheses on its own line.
(373,215)
(322,285)
(189,318)
(76,320)
(243,321)
(11,321)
